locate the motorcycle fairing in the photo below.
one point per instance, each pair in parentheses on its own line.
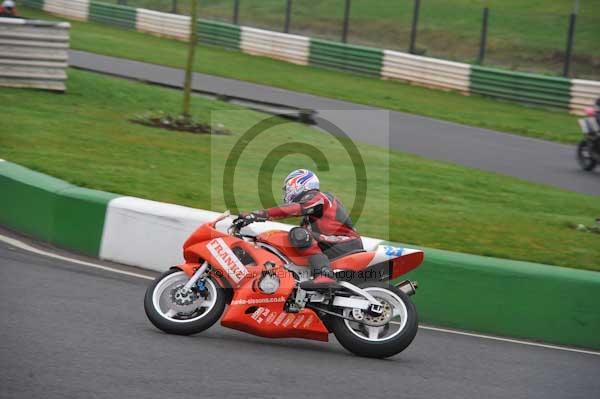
(261,314)
(279,239)
(250,309)
(403,259)
(385,263)
(218,252)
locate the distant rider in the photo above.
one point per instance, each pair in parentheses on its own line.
(8,9)
(325,219)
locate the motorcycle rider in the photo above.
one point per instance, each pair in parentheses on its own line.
(8,9)
(325,219)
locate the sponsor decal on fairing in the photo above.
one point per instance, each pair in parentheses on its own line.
(227,259)
(288,320)
(279,319)
(257,315)
(256,301)
(308,321)
(298,321)
(271,317)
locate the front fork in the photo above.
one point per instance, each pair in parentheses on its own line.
(195,277)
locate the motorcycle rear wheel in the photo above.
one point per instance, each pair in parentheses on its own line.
(384,341)
(174,313)
(584,156)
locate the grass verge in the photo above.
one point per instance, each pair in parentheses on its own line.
(85,138)
(470,110)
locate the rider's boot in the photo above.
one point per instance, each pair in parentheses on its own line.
(323,277)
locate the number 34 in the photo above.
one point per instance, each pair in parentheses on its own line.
(393,251)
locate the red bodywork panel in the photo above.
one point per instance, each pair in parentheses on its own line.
(279,239)
(406,263)
(260,314)
(253,311)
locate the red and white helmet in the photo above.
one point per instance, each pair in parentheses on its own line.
(298,182)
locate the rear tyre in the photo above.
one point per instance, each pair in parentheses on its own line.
(584,156)
(183,313)
(383,341)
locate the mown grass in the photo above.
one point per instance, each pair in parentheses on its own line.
(527,35)
(84,137)
(470,110)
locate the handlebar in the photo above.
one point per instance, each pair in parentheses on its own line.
(239,223)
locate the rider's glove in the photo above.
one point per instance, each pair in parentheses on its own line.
(254,215)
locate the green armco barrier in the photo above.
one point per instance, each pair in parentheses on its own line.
(112,14)
(39,4)
(79,215)
(511,298)
(51,209)
(219,34)
(347,57)
(521,87)
(26,198)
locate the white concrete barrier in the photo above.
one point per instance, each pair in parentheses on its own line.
(33,54)
(583,94)
(163,24)
(423,71)
(75,9)
(281,46)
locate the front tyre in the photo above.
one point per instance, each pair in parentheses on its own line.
(585,157)
(175,311)
(395,329)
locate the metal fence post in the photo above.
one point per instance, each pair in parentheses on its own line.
(413,31)
(236,12)
(288,16)
(570,35)
(346,22)
(483,39)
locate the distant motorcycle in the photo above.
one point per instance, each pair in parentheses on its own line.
(588,150)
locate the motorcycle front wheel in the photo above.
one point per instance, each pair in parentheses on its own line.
(584,156)
(383,340)
(177,311)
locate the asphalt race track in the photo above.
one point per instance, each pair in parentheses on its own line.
(69,331)
(526,158)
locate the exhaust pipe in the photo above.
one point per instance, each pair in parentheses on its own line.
(408,287)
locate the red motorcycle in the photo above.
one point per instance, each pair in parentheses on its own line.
(254,280)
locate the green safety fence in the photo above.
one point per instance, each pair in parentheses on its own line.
(521,87)
(219,34)
(51,209)
(347,57)
(113,14)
